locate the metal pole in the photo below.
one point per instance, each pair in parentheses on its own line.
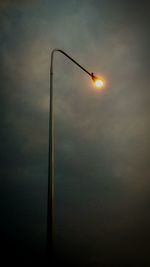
(50,203)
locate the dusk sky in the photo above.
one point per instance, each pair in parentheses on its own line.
(102,145)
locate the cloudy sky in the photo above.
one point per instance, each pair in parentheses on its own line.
(102,148)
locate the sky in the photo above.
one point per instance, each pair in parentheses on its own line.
(102,148)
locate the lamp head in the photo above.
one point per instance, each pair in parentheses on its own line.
(98,81)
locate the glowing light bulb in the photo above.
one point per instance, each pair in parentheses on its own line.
(99,82)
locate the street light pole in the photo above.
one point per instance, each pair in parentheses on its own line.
(50,203)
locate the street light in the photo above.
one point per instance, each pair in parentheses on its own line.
(99,82)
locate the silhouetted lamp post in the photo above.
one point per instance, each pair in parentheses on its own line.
(50,205)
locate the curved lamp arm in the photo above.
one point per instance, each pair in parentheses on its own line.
(74,61)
